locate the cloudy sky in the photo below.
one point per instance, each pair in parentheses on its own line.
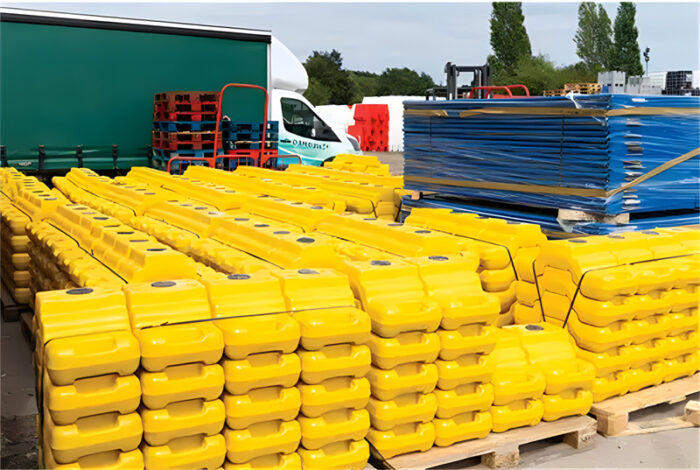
(373,36)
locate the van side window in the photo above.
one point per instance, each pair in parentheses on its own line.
(299,119)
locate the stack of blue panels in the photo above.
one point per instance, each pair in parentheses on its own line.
(537,143)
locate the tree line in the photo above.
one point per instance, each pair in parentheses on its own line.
(600,45)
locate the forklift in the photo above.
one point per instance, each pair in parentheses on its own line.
(480,87)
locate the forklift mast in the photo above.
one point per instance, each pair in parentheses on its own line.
(482,78)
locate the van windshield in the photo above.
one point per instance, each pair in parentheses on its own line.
(299,119)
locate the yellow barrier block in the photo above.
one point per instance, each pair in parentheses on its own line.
(305,216)
(323,171)
(350,455)
(261,370)
(404,409)
(412,437)
(514,379)
(261,404)
(523,412)
(92,435)
(166,302)
(180,383)
(414,346)
(462,427)
(334,394)
(680,366)
(406,378)
(453,282)
(358,164)
(180,419)
(255,298)
(278,461)
(610,385)
(463,398)
(200,451)
(165,346)
(71,358)
(469,368)
(81,311)
(645,376)
(392,294)
(334,426)
(339,360)
(110,460)
(307,292)
(270,437)
(567,403)
(468,339)
(91,396)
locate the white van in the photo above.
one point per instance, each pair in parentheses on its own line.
(301,130)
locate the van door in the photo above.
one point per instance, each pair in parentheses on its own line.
(302,132)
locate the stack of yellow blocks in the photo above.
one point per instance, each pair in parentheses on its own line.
(334,363)
(630,301)
(467,335)
(261,368)
(86,357)
(404,345)
(14,248)
(181,379)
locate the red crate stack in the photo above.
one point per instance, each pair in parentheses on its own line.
(371,127)
(183,107)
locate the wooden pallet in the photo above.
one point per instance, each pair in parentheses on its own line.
(10,309)
(498,450)
(613,414)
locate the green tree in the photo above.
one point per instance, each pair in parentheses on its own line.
(403,81)
(366,84)
(594,36)
(626,55)
(329,83)
(509,39)
(603,38)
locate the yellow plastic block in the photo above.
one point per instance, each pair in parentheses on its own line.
(304,216)
(606,362)
(412,437)
(463,398)
(69,359)
(468,339)
(92,435)
(261,370)
(259,295)
(179,383)
(550,348)
(81,311)
(278,461)
(340,360)
(610,385)
(183,418)
(91,396)
(680,366)
(645,376)
(392,293)
(462,427)
(334,426)
(322,328)
(261,404)
(164,346)
(200,451)
(567,403)
(407,408)
(526,293)
(345,455)
(334,394)
(513,378)
(640,354)
(414,346)
(517,413)
(466,369)
(110,460)
(166,302)
(270,437)
(406,378)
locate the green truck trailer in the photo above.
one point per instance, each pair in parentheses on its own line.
(77,90)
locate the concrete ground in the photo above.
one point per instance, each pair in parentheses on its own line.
(393,159)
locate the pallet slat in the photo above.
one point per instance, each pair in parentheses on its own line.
(499,450)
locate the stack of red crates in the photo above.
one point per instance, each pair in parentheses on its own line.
(371,127)
(184,124)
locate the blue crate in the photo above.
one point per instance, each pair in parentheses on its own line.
(184,126)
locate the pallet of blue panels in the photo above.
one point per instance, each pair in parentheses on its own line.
(599,154)
(554,223)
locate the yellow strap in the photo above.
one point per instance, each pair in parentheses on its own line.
(536,111)
(562,191)
(426,112)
